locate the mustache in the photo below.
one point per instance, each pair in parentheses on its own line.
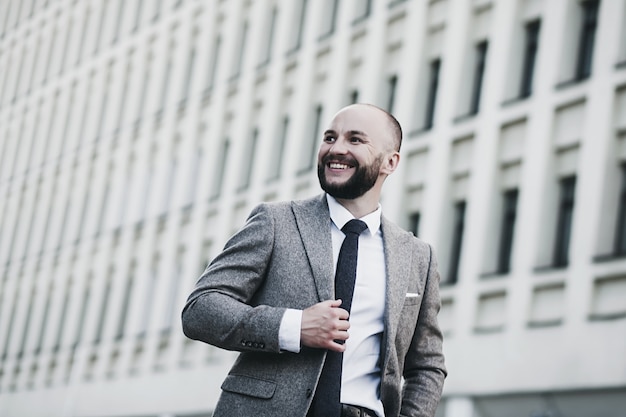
(339,158)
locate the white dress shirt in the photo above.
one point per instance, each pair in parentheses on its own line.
(361,369)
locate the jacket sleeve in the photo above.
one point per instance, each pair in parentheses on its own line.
(221,309)
(424,368)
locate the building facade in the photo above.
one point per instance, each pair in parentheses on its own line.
(136,136)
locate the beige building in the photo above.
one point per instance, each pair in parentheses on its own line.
(135,137)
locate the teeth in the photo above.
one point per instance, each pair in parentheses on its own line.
(335,165)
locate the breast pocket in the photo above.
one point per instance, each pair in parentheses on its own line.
(412,299)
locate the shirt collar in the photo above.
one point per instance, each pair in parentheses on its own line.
(340,215)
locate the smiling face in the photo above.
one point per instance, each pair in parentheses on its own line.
(357,153)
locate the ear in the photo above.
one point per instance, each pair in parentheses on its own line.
(391,163)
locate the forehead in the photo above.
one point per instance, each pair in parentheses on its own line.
(366,119)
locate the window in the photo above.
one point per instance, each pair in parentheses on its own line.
(457,240)
(103,113)
(157,10)
(127,296)
(44,318)
(619,246)
(118,22)
(240,54)
(123,190)
(139,6)
(564,222)
(147,185)
(278,152)
(354,96)
(509,214)
(86,302)
(166,197)
(194,174)
(150,290)
(621,58)
(143,93)
(103,206)
(479,70)
(391,93)
(269,40)
(169,312)
(587,38)
(248,161)
(100,27)
(106,295)
(27,321)
(62,232)
(44,234)
(85,110)
(191,59)
(414,223)
(214,61)
(329,19)
(298,27)
(63,315)
(6,18)
(122,103)
(83,36)
(49,55)
(19,74)
(165,85)
(530,54)
(83,207)
(362,10)
(218,177)
(66,43)
(433,86)
(9,329)
(32,71)
(32,8)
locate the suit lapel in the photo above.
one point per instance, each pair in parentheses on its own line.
(313,220)
(398,255)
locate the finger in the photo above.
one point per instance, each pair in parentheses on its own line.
(342,325)
(334,303)
(341,338)
(342,314)
(336,347)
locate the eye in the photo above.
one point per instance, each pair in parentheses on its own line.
(356,139)
(329,139)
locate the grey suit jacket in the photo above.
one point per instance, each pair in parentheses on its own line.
(282,258)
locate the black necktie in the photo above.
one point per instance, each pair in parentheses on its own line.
(327,399)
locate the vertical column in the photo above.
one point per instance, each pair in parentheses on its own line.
(415,26)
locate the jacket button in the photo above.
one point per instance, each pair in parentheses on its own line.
(248,344)
(243,342)
(262,345)
(309,392)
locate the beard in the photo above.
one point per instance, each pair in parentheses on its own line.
(363,179)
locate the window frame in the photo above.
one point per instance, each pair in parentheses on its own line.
(565,212)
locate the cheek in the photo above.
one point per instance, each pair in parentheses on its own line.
(323,150)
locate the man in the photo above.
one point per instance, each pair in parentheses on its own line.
(271,294)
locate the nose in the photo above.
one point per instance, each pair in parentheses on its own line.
(339,146)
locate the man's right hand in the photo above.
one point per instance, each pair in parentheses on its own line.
(323,324)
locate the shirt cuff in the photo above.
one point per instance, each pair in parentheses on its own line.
(289,332)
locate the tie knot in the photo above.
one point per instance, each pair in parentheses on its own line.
(354,226)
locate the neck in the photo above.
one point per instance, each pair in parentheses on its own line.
(361,206)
